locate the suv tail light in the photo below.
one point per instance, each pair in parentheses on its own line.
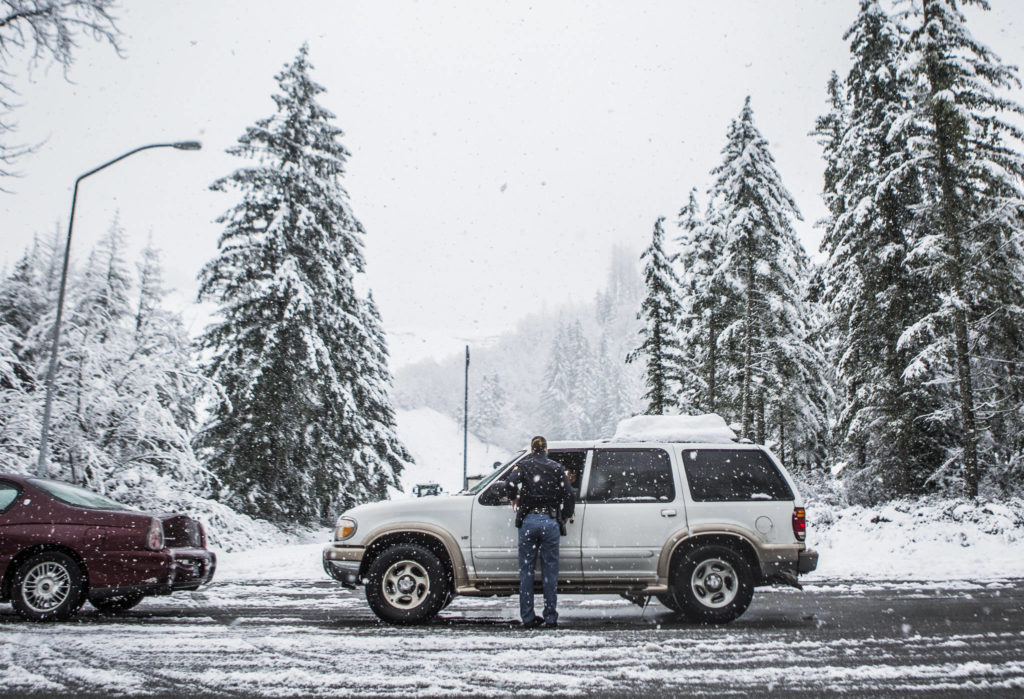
(799,523)
(155,535)
(202,535)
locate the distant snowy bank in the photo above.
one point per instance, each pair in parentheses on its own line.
(925,539)
(230,531)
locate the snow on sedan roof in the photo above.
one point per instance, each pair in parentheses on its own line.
(709,428)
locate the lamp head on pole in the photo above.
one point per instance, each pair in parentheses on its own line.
(187,145)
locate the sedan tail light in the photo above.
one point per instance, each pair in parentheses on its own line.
(799,523)
(155,535)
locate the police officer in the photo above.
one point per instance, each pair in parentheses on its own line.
(545,501)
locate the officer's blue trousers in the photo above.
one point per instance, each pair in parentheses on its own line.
(539,533)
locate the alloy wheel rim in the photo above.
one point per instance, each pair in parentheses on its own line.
(405,585)
(714,583)
(46,586)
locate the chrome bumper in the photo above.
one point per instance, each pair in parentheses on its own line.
(342,563)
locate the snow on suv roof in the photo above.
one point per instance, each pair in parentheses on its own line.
(709,428)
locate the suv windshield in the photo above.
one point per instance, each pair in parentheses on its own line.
(494,474)
(80,497)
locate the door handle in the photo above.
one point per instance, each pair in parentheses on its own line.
(668,513)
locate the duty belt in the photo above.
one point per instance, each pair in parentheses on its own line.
(549,511)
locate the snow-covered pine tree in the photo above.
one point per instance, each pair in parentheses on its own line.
(967,243)
(488,407)
(661,314)
(151,285)
(307,429)
(871,187)
(612,400)
(22,295)
(830,129)
(567,397)
(776,374)
(383,454)
(123,399)
(17,419)
(708,306)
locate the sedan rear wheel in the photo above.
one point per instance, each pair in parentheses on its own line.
(49,586)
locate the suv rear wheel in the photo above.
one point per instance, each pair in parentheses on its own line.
(712,584)
(406,584)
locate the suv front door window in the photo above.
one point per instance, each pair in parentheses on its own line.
(495,539)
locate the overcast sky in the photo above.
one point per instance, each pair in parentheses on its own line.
(499,150)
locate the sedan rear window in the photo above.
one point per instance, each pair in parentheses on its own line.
(80,497)
(725,475)
(8,494)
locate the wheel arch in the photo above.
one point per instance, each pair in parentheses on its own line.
(689,541)
(28,552)
(437,542)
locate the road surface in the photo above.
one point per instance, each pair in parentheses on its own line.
(288,637)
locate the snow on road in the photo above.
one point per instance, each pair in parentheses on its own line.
(906,600)
(273,624)
(292,636)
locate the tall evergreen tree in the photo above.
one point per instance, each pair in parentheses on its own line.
(307,429)
(707,308)
(661,313)
(871,188)
(489,405)
(967,243)
(568,385)
(777,372)
(612,397)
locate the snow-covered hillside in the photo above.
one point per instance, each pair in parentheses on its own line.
(435,441)
(927,539)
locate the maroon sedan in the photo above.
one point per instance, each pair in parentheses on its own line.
(61,545)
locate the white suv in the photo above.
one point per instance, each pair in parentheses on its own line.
(698,525)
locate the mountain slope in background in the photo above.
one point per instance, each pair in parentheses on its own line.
(435,441)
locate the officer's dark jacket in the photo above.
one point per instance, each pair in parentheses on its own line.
(543,483)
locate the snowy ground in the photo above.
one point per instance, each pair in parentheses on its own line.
(918,540)
(274,625)
(922,598)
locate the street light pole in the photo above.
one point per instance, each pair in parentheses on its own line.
(52,370)
(465,427)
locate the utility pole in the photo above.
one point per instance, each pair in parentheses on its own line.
(465,427)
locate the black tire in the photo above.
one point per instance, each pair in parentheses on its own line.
(49,586)
(712,584)
(407,584)
(118,603)
(669,601)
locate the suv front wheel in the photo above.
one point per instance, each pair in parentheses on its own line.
(406,584)
(712,584)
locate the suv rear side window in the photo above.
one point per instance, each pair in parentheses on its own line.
(724,475)
(631,475)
